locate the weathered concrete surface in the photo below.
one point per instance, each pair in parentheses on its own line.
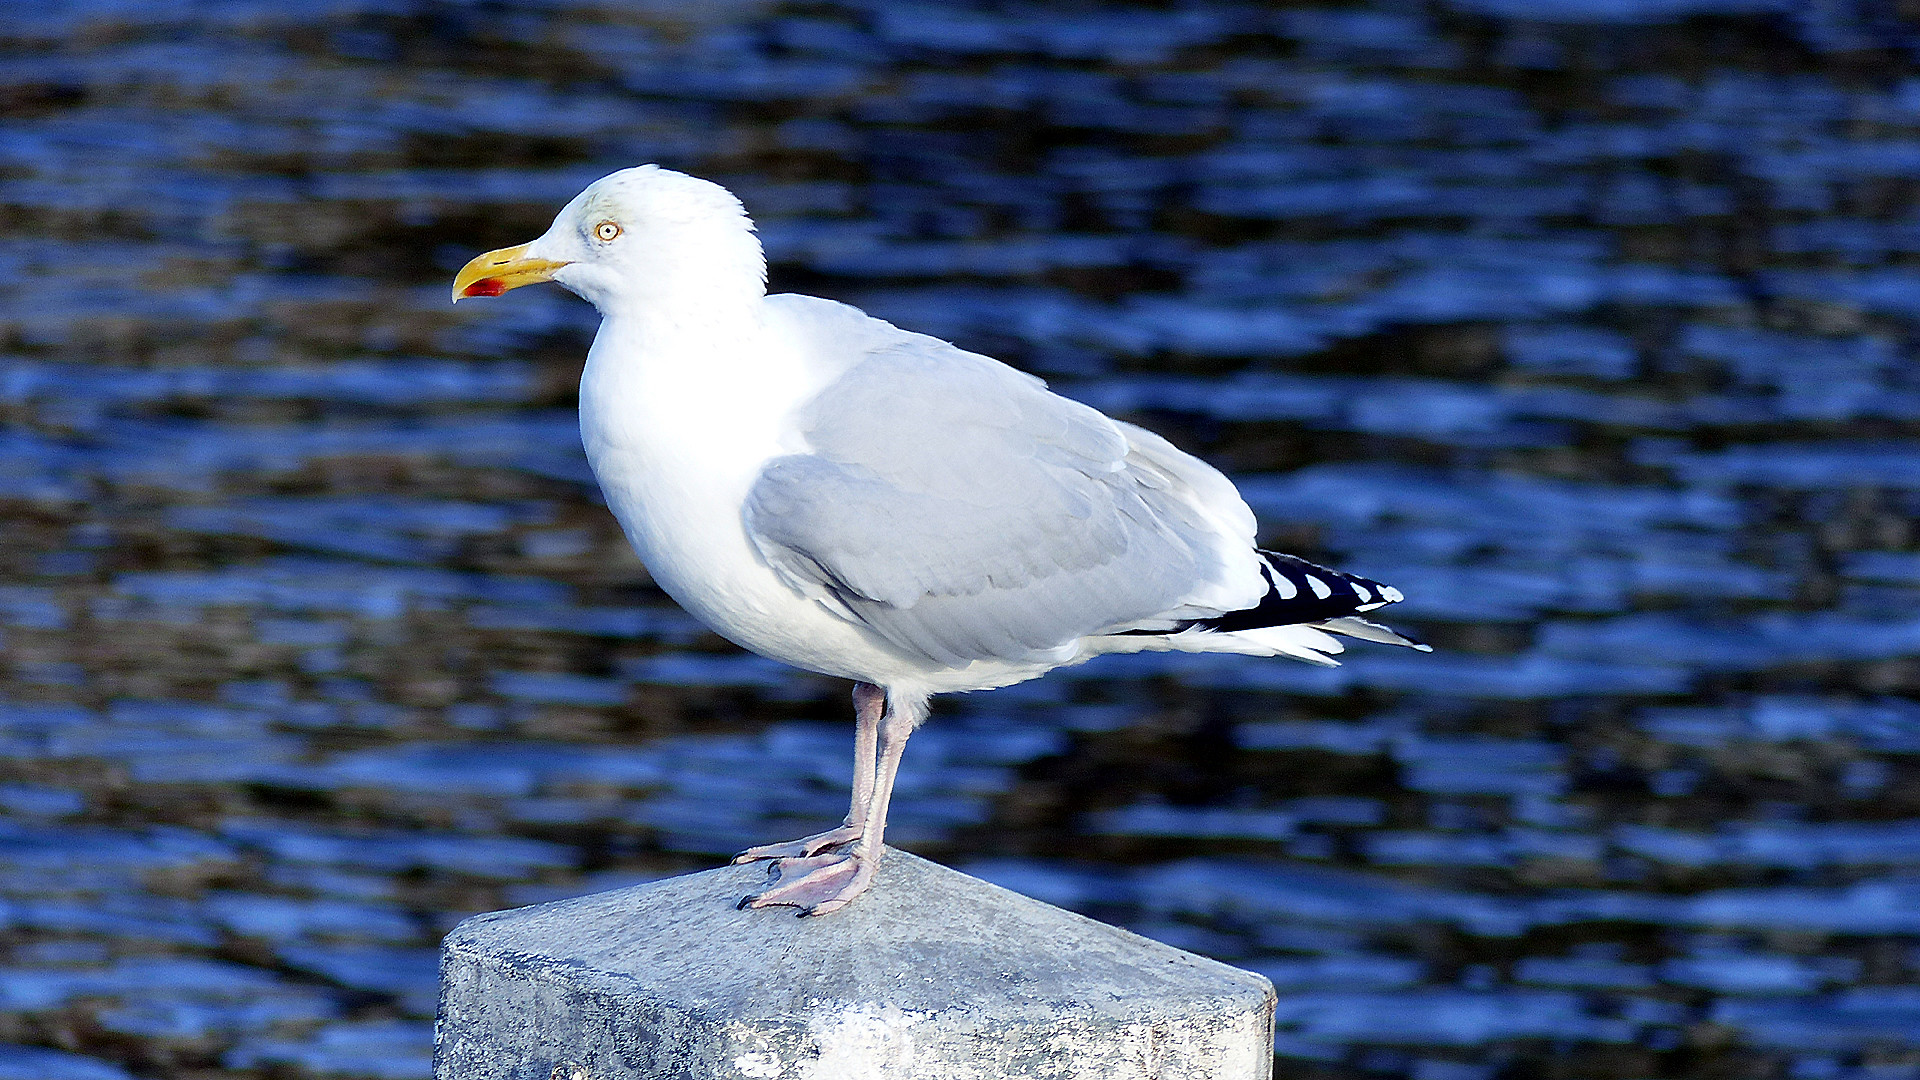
(931,976)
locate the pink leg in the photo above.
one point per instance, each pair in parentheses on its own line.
(869,704)
(821,884)
(869,708)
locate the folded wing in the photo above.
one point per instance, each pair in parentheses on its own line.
(963,512)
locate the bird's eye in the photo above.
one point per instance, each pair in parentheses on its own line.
(606,230)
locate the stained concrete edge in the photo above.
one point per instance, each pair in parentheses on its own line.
(956,959)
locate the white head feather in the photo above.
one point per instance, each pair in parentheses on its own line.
(656,243)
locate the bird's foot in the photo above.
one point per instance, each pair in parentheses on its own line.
(802,848)
(816,884)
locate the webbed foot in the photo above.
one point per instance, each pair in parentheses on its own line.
(816,884)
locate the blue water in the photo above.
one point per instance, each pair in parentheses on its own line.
(1589,324)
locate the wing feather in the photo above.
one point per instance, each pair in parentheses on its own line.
(961,510)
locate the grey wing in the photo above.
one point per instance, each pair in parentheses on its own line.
(963,512)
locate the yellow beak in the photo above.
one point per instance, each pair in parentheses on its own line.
(497,271)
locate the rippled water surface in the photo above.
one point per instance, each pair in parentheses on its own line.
(1588,323)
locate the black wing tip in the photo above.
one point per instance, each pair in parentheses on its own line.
(1304,592)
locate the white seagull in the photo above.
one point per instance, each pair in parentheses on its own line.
(839,494)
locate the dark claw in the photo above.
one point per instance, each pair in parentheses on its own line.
(744,901)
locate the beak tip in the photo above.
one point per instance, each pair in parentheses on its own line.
(486,286)
(496,272)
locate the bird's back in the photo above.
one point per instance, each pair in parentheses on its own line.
(962,510)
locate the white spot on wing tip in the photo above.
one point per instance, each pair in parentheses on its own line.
(1392,594)
(1285,587)
(1320,588)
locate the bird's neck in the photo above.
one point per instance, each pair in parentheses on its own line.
(715,365)
(681,321)
(662,293)
(669,409)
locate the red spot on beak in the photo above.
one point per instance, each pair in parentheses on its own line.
(485,287)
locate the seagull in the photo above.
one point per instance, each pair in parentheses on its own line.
(826,489)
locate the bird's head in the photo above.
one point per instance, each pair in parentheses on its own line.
(637,237)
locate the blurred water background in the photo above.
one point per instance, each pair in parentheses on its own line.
(1588,323)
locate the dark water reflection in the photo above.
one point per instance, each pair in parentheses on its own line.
(1590,324)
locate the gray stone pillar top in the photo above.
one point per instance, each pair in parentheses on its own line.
(931,974)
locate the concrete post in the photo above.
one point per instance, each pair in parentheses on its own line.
(933,975)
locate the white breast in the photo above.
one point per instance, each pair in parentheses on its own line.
(676,435)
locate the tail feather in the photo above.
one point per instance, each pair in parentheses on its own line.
(1300,642)
(1355,627)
